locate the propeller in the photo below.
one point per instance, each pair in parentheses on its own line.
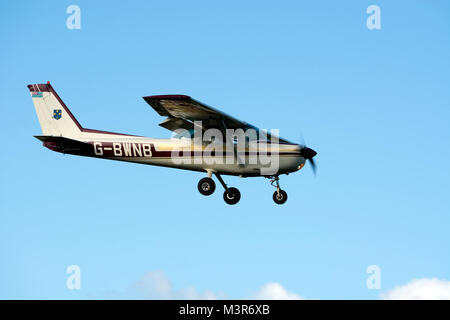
(308,154)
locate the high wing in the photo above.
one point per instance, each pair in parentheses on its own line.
(182,110)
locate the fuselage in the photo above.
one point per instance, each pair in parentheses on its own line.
(256,159)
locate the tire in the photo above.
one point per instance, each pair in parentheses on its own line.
(280,198)
(232,196)
(206,186)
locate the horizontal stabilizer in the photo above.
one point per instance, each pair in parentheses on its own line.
(65,145)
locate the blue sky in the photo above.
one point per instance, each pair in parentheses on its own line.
(375,104)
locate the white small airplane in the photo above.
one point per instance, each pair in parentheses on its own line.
(205,140)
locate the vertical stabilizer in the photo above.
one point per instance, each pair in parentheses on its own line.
(54,116)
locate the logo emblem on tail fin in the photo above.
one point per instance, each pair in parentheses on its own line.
(57,114)
(35,94)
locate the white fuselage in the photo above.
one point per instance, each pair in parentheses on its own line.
(257,159)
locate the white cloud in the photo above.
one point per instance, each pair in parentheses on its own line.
(191,293)
(155,285)
(420,289)
(275,291)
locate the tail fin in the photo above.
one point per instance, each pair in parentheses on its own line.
(54,116)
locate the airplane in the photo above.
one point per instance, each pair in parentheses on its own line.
(189,148)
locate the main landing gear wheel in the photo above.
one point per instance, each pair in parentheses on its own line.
(231,196)
(206,186)
(280,197)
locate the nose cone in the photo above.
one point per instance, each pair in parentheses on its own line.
(307,153)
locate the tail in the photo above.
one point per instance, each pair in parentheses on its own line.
(54,116)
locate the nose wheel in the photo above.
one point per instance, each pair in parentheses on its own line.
(279,196)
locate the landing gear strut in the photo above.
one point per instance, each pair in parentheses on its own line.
(279,196)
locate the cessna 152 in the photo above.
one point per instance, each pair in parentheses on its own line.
(201,135)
